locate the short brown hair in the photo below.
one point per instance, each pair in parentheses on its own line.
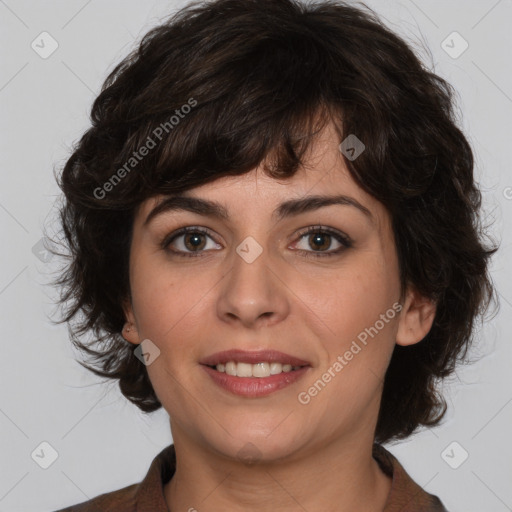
(261,77)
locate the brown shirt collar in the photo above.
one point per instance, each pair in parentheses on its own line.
(405,494)
(148,495)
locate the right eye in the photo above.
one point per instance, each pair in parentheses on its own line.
(189,241)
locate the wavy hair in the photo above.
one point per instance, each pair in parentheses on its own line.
(221,87)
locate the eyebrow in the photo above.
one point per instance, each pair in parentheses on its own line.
(288,208)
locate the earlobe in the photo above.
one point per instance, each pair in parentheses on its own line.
(130,332)
(416,318)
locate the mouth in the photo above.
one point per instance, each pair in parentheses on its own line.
(254,374)
(261,363)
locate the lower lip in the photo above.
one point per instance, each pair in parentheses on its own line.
(255,386)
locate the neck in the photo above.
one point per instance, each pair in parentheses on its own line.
(343,473)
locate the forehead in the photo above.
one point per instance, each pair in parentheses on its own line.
(324,173)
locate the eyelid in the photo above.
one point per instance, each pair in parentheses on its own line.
(324,229)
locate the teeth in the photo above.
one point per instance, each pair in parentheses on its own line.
(230,368)
(262,369)
(275,368)
(243,370)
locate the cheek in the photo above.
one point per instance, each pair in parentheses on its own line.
(170,307)
(358,312)
(353,299)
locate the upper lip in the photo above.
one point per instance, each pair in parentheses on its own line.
(252,357)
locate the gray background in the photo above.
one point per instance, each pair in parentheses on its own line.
(103,442)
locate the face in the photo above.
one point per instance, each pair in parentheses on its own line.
(317,288)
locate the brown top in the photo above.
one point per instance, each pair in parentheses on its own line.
(148,495)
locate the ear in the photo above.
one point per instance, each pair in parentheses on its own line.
(130,332)
(416,318)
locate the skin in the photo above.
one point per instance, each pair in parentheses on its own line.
(316,455)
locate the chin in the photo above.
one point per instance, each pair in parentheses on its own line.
(251,445)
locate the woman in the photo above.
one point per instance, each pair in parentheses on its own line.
(273,225)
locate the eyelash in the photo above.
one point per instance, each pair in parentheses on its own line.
(342,239)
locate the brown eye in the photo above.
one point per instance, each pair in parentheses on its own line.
(318,241)
(189,241)
(194,241)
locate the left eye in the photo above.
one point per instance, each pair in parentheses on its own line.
(321,240)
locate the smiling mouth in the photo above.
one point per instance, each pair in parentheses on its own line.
(259,370)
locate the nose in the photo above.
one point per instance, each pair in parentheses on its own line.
(253,292)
